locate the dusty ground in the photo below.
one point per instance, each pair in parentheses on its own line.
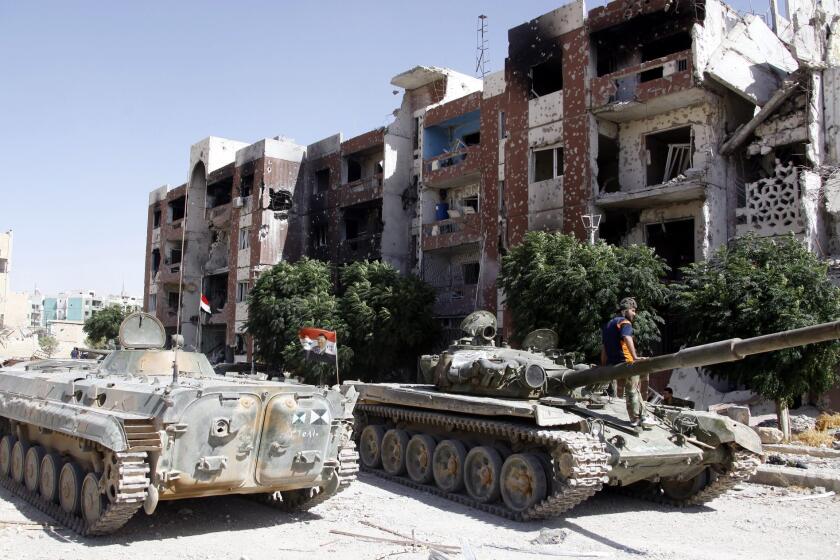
(753,522)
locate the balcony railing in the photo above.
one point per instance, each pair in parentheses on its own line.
(451,159)
(644,81)
(361,190)
(451,232)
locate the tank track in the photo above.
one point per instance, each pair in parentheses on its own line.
(590,459)
(740,468)
(307,498)
(132,489)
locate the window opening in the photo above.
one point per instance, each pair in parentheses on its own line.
(155,260)
(471,273)
(244,238)
(608,155)
(669,154)
(322,179)
(354,170)
(548,164)
(177,209)
(241,291)
(246,185)
(674,242)
(156,219)
(547,77)
(219,193)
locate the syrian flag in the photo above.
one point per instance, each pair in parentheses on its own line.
(319,344)
(205,304)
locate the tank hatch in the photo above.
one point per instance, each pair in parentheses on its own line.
(139,331)
(541,340)
(480,323)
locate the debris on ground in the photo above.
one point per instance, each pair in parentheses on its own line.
(778,460)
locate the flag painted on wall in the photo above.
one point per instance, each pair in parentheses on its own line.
(205,304)
(319,344)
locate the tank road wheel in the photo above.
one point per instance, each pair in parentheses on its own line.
(680,490)
(394,444)
(6,445)
(18,458)
(523,481)
(32,467)
(92,500)
(48,477)
(482,468)
(448,465)
(70,487)
(418,458)
(370,446)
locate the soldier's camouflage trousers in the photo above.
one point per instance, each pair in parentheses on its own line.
(633,396)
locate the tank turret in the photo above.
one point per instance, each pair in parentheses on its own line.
(474,365)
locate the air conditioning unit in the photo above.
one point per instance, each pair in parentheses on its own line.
(237,202)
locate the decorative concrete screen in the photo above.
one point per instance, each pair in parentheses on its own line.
(773,205)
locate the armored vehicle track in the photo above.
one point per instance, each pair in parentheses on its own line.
(88,502)
(513,470)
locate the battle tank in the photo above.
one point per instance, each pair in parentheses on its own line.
(92,446)
(529,434)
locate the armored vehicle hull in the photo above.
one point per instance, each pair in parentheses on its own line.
(529,435)
(90,448)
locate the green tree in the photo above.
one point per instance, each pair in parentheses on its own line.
(758,286)
(284,299)
(389,319)
(48,343)
(554,281)
(104,325)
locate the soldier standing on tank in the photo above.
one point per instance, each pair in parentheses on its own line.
(620,348)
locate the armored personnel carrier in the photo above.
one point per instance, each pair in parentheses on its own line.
(529,434)
(92,447)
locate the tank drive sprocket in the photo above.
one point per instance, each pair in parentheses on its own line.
(578,461)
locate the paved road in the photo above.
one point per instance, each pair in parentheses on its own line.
(750,523)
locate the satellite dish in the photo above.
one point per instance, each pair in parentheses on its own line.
(141,330)
(541,340)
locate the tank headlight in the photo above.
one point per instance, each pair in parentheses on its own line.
(535,376)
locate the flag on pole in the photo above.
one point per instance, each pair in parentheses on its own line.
(205,304)
(319,344)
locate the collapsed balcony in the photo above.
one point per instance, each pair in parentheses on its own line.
(451,149)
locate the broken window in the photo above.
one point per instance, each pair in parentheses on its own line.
(471,273)
(239,347)
(668,154)
(470,204)
(608,175)
(279,200)
(319,235)
(546,77)
(547,164)
(215,288)
(674,242)
(354,170)
(472,139)
(241,291)
(156,219)
(416,140)
(174,256)
(665,46)
(152,307)
(172,301)
(244,238)
(155,261)
(502,131)
(246,185)
(322,179)
(177,209)
(219,193)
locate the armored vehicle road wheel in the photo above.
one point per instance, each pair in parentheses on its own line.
(48,477)
(93,502)
(418,458)
(482,469)
(680,490)
(32,467)
(18,458)
(523,481)
(394,444)
(370,446)
(6,445)
(70,487)
(448,465)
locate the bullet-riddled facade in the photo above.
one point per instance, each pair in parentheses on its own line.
(674,124)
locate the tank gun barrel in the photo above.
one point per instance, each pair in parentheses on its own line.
(707,354)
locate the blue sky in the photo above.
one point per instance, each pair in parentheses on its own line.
(100,102)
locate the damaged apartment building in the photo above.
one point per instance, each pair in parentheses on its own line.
(672,123)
